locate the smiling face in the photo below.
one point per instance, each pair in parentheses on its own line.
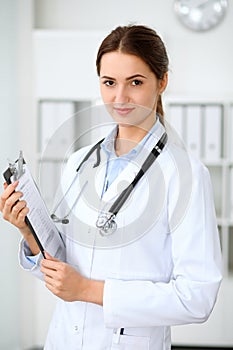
(129,89)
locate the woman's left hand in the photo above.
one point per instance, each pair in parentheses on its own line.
(68,284)
(63,280)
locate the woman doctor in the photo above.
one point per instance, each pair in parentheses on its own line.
(161,266)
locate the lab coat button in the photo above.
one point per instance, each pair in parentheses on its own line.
(76,329)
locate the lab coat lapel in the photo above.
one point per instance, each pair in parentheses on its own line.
(101,174)
(130,171)
(121,182)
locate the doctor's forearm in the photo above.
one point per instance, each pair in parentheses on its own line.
(27,235)
(94,292)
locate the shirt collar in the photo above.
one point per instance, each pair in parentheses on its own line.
(108,145)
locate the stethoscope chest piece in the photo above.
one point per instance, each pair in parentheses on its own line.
(106,224)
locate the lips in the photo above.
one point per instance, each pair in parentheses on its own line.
(123,111)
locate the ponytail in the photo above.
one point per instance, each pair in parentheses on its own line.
(159,110)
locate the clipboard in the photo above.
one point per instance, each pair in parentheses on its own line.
(38,219)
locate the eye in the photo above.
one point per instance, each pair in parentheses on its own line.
(109,83)
(136,82)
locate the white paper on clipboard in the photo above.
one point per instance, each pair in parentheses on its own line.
(40,223)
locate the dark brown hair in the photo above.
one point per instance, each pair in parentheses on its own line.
(142,42)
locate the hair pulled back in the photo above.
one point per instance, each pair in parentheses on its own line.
(142,42)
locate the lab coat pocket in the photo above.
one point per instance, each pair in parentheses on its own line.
(130,342)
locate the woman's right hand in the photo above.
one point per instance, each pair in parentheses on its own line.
(13,209)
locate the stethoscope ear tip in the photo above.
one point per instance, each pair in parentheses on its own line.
(59,220)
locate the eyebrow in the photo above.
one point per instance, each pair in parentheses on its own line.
(129,78)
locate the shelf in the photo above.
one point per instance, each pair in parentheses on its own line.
(230,251)
(221,162)
(206,128)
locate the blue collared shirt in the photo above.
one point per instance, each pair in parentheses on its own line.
(116,164)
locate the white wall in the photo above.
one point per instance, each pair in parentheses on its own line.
(16,113)
(9,271)
(200,63)
(200,66)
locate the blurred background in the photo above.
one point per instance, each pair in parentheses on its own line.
(47,73)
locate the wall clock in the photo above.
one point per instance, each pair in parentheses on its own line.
(200,15)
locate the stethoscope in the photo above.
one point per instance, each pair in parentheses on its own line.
(106,220)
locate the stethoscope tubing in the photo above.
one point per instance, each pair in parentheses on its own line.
(106,221)
(155,152)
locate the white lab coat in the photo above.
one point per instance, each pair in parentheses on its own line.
(167,275)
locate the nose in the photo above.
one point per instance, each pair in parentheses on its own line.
(121,94)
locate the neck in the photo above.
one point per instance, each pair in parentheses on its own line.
(129,136)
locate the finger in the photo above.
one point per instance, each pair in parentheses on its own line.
(13,198)
(50,257)
(49,282)
(20,219)
(51,264)
(22,214)
(56,286)
(9,203)
(5,195)
(49,274)
(9,189)
(18,207)
(18,214)
(52,289)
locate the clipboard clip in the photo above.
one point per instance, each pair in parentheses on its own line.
(16,168)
